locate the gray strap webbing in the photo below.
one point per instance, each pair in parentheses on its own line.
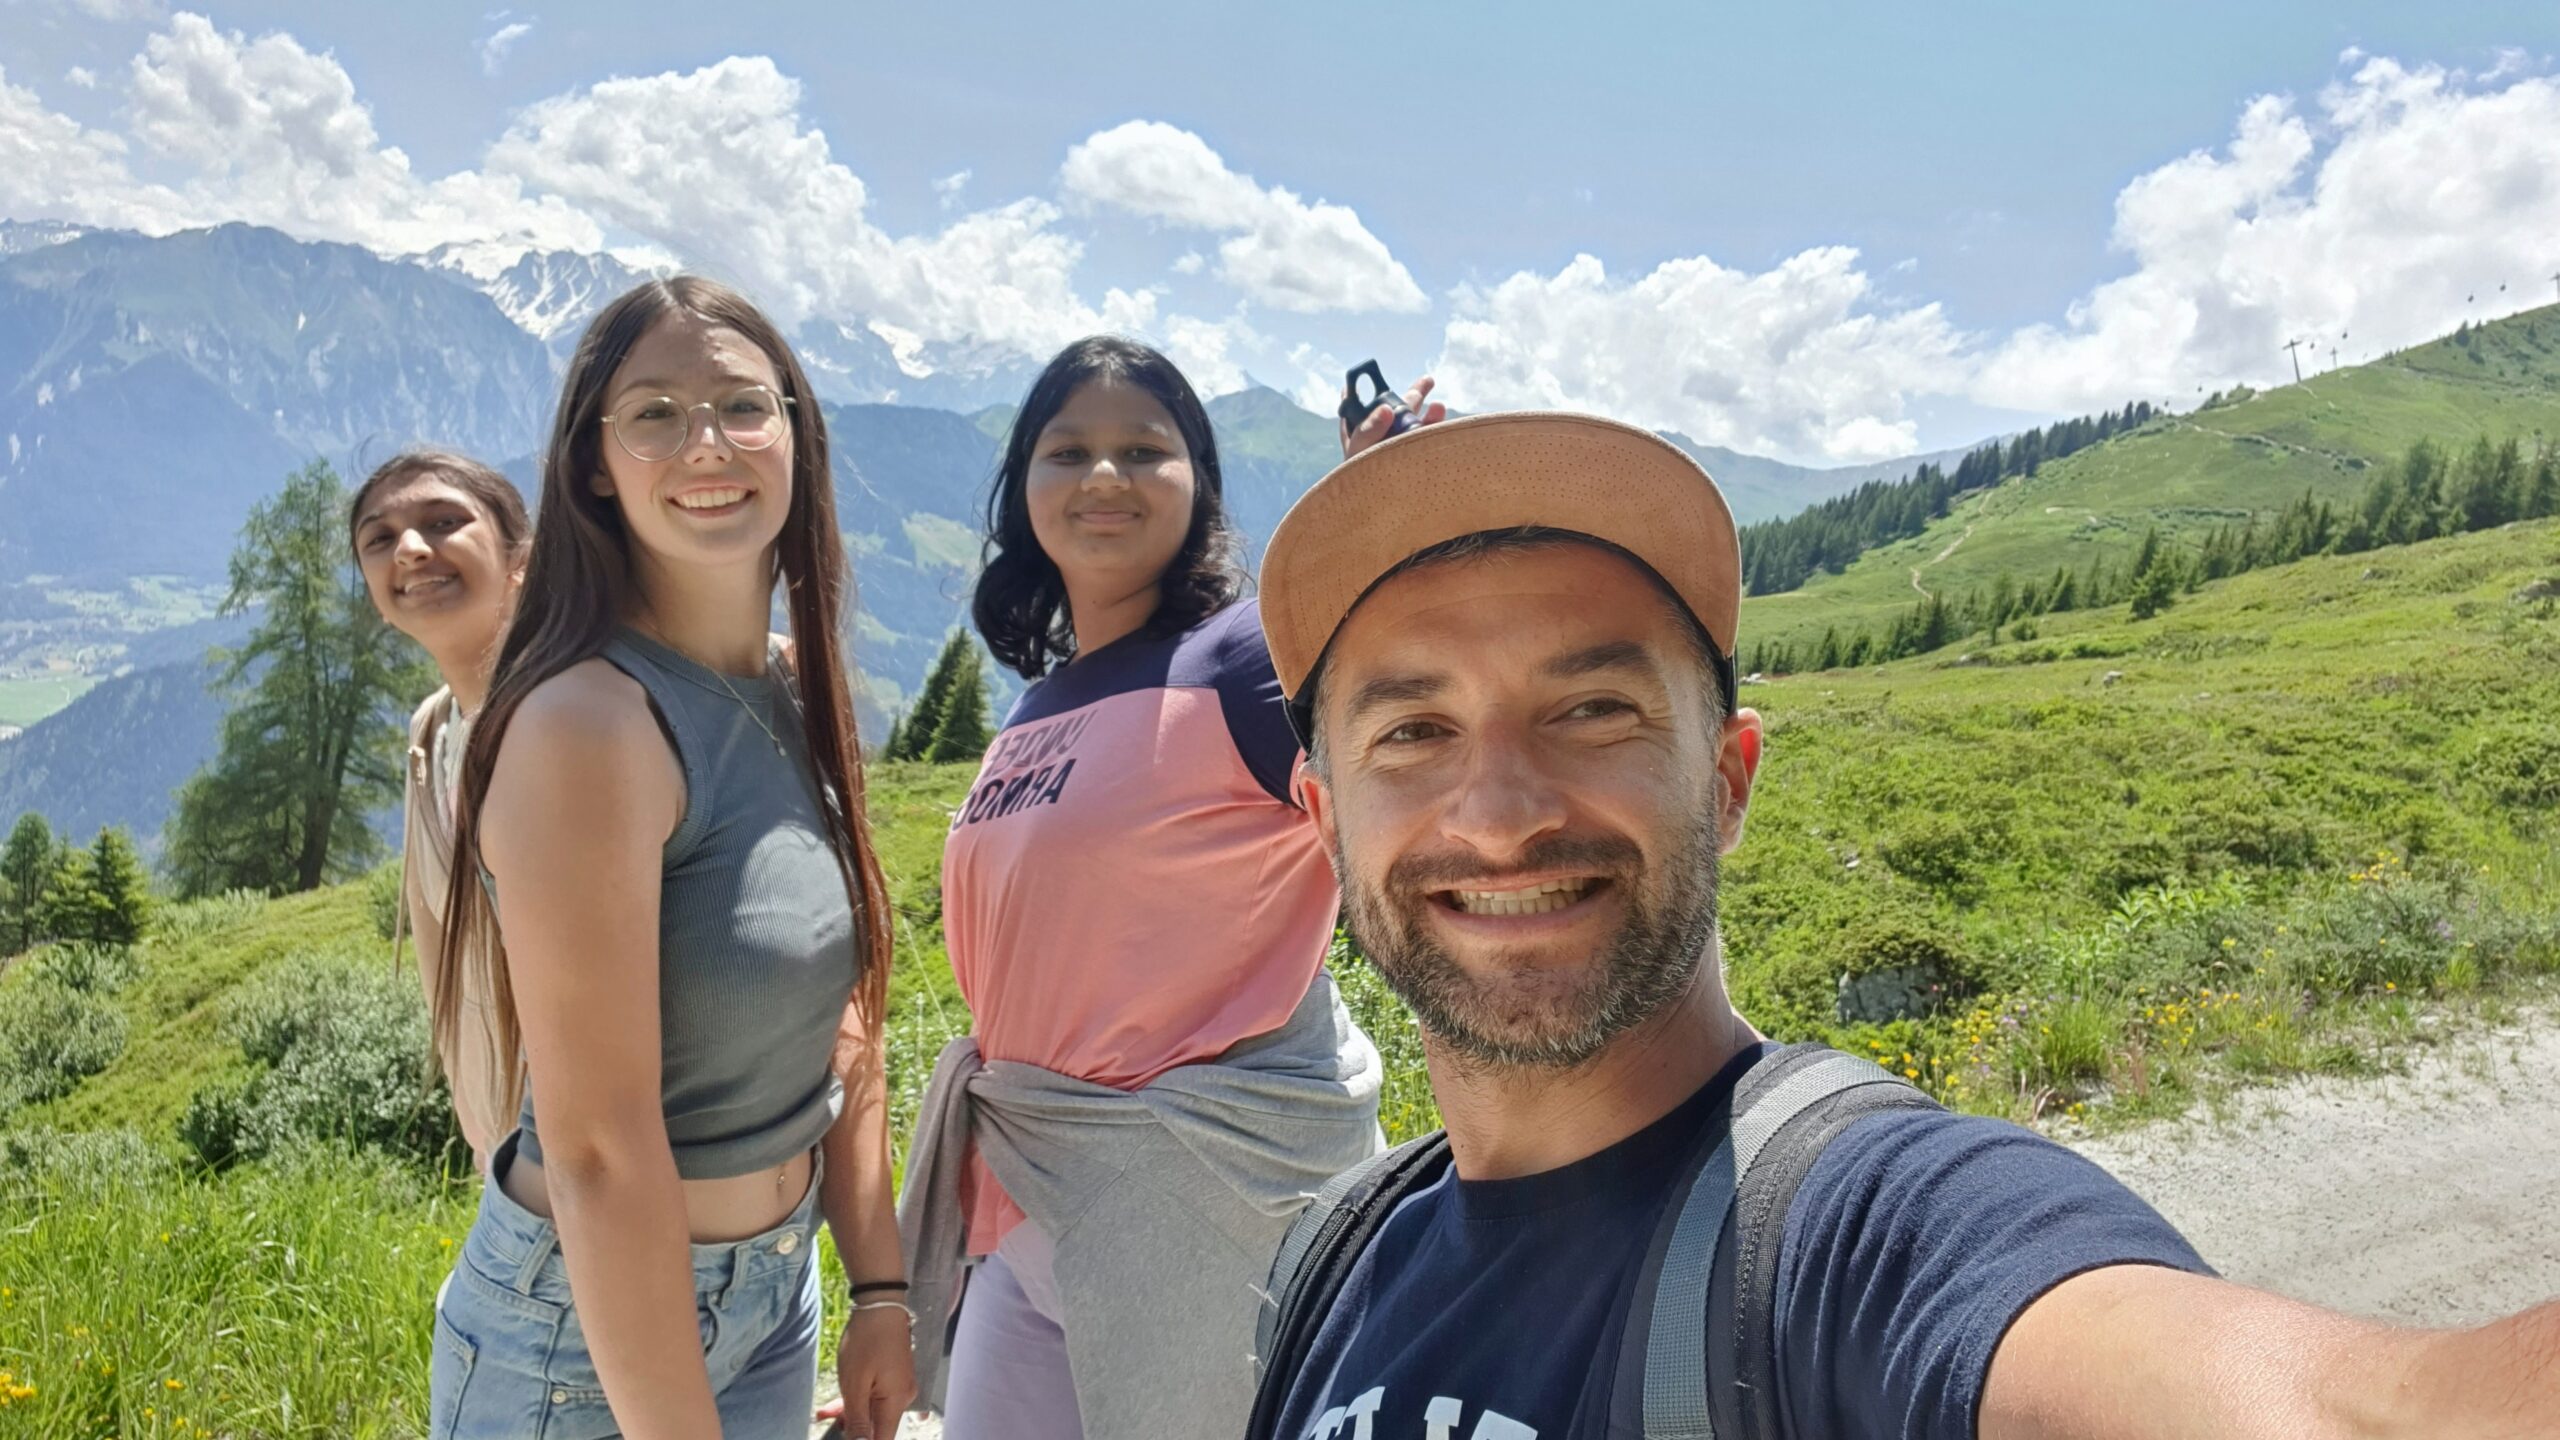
(1301,1237)
(1675,1373)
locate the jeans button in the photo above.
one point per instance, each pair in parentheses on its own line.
(789,1242)
(559,1397)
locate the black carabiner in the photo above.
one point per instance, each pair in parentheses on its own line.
(1355,411)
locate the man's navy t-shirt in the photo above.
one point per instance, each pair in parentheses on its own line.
(1493,1309)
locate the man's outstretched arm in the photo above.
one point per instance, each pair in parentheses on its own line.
(2145,1353)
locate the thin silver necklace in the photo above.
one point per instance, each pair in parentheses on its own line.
(743,704)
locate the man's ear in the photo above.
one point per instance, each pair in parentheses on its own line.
(1316,798)
(1738,765)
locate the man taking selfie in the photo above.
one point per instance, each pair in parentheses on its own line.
(1508,644)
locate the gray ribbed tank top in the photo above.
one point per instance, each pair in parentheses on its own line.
(756,950)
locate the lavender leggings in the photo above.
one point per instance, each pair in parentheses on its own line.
(1009,1378)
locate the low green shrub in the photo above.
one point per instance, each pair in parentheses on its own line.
(2517,767)
(51,1038)
(37,1160)
(88,967)
(1944,851)
(1899,962)
(342,1056)
(213,915)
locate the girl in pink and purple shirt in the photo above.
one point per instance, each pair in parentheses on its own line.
(1131,886)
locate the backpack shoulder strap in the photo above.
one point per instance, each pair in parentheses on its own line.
(1316,1256)
(1723,1240)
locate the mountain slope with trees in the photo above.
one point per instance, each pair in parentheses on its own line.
(2240,460)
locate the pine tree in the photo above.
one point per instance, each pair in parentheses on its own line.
(2150,552)
(26,867)
(965,729)
(925,720)
(122,890)
(1826,656)
(2155,589)
(2490,485)
(2542,495)
(311,748)
(68,909)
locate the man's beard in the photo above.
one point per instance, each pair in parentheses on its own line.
(1528,1014)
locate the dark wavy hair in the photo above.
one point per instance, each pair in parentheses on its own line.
(577,587)
(1021,601)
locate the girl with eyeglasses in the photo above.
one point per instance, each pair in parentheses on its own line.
(661,848)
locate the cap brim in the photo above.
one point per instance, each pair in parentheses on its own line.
(1596,477)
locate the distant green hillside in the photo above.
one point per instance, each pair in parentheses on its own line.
(2188,474)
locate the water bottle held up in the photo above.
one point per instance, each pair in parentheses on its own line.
(1356,411)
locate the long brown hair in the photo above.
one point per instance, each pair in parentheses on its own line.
(577,586)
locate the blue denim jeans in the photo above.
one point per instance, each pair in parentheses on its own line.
(511,1358)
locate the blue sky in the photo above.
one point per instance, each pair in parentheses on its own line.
(2296,169)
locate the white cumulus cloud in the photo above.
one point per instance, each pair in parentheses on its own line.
(82,76)
(53,168)
(273,134)
(1284,252)
(1795,360)
(720,165)
(2388,214)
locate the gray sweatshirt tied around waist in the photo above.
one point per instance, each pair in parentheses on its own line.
(1164,1204)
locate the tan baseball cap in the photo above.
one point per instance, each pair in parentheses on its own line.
(1612,482)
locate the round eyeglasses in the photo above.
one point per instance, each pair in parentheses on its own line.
(651,428)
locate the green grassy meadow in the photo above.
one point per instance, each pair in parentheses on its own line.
(2122,867)
(23,702)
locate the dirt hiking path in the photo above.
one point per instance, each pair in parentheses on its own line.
(2431,1197)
